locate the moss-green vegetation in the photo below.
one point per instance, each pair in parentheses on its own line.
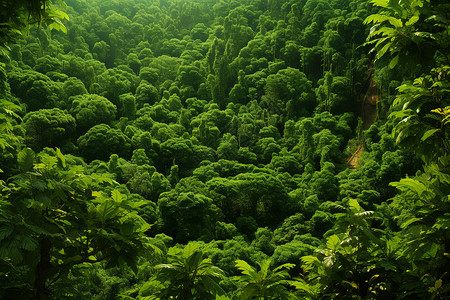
(197,149)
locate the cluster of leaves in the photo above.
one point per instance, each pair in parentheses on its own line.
(17,16)
(53,219)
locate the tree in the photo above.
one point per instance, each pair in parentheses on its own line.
(200,32)
(188,274)
(178,151)
(257,195)
(187,215)
(100,141)
(266,283)
(52,220)
(90,110)
(340,269)
(422,207)
(288,85)
(148,184)
(284,162)
(114,82)
(48,128)
(146,93)
(228,148)
(35,89)
(293,251)
(128,103)
(47,63)
(149,74)
(73,87)
(189,75)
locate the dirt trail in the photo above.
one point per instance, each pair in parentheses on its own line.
(353,161)
(368,115)
(369,107)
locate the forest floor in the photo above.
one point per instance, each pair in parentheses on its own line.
(368,115)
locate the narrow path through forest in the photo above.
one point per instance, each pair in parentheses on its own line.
(368,115)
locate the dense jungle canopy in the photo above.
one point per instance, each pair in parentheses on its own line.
(224,149)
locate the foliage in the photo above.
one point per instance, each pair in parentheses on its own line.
(227,124)
(17,16)
(100,141)
(409,31)
(265,283)
(90,110)
(425,227)
(423,119)
(188,274)
(53,219)
(48,127)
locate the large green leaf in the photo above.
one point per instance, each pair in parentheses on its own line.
(333,242)
(61,159)
(28,243)
(410,184)
(117,196)
(5,231)
(25,158)
(412,20)
(393,62)
(246,269)
(410,221)
(429,133)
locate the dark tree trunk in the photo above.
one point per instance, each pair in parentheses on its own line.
(42,269)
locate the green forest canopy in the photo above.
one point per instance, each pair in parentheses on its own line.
(174,149)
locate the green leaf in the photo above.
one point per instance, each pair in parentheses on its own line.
(107,210)
(333,242)
(409,222)
(393,62)
(376,18)
(25,158)
(309,261)
(58,14)
(429,133)
(58,25)
(117,196)
(397,23)
(381,3)
(383,50)
(388,266)
(412,20)
(5,231)
(353,204)
(61,159)
(126,229)
(245,268)
(352,284)
(39,185)
(28,243)
(438,284)
(284,266)
(410,184)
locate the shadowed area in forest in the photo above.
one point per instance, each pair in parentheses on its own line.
(368,115)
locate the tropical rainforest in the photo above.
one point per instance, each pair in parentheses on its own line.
(225,149)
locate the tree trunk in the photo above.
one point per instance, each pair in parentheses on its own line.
(42,269)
